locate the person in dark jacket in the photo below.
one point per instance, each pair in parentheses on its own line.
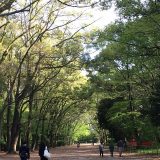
(111,148)
(41,151)
(24,151)
(120,146)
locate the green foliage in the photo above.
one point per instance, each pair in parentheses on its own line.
(91,138)
(81,131)
(149,151)
(147,132)
(127,66)
(60,143)
(43,90)
(102,111)
(154,108)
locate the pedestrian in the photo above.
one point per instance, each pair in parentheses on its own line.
(78,144)
(42,148)
(124,145)
(24,151)
(101,149)
(120,146)
(111,148)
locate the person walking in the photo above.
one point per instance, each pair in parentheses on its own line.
(111,148)
(42,148)
(120,146)
(78,144)
(101,149)
(24,151)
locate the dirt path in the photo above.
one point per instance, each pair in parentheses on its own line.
(85,152)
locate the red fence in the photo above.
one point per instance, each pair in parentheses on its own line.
(133,143)
(146,144)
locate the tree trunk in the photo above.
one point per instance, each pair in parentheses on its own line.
(29,118)
(0,130)
(9,116)
(3,107)
(15,128)
(36,136)
(42,131)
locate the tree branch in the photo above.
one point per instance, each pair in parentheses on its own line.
(18,11)
(74,5)
(14,12)
(7,5)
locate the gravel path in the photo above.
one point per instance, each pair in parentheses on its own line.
(85,152)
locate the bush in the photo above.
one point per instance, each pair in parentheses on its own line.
(60,143)
(3,145)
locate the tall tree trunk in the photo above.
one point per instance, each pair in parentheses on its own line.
(130,98)
(51,134)
(129,87)
(15,128)
(29,118)
(9,115)
(1,129)
(36,136)
(3,107)
(42,131)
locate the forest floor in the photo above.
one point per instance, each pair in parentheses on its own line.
(85,152)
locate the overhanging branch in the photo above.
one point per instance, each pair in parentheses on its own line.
(25,9)
(69,5)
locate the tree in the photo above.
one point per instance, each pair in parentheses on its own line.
(153,108)
(128,60)
(42,53)
(103,108)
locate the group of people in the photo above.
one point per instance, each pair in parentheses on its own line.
(120,145)
(24,152)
